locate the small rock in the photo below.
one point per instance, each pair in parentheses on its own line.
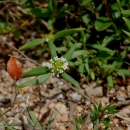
(43,110)
(62,128)
(87,103)
(64,118)
(112,91)
(116,121)
(30,104)
(128,90)
(47,101)
(79,109)
(75,96)
(122,88)
(36,114)
(104,100)
(120,98)
(61,108)
(22,104)
(19,96)
(51,105)
(10,114)
(60,83)
(59,97)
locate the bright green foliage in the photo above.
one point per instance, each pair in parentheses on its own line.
(90,40)
(97,115)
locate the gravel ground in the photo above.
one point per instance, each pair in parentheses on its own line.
(55,99)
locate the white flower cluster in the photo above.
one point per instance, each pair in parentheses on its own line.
(58,65)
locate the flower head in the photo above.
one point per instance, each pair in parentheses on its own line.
(58,65)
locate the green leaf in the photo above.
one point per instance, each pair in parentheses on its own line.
(38,80)
(70,79)
(41,50)
(100,107)
(92,74)
(109,67)
(119,60)
(79,52)
(18,34)
(39,12)
(51,5)
(100,47)
(87,67)
(69,54)
(31,44)
(52,49)
(36,71)
(34,120)
(109,39)
(125,12)
(110,81)
(22,2)
(102,23)
(106,121)
(81,69)
(66,32)
(63,49)
(126,32)
(127,22)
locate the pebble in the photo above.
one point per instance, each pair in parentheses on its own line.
(51,105)
(19,96)
(75,96)
(79,109)
(120,98)
(22,104)
(104,100)
(112,91)
(87,103)
(64,118)
(10,114)
(59,97)
(43,110)
(61,108)
(62,128)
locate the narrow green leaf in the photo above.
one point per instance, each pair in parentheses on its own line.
(66,32)
(81,69)
(52,49)
(100,107)
(87,67)
(31,44)
(125,12)
(127,22)
(22,2)
(18,34)
(34,120)
(41,50)
(39,12)
(109,67)
(102,23)
(80,52)
(38,80)
(92,74)
(70,79)
(51,5)
(100,47)
(126,32)
(36,71)
(119,60)
(110,81)
(70,52)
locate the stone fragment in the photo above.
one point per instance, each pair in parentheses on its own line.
(64,118)
(61,108)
